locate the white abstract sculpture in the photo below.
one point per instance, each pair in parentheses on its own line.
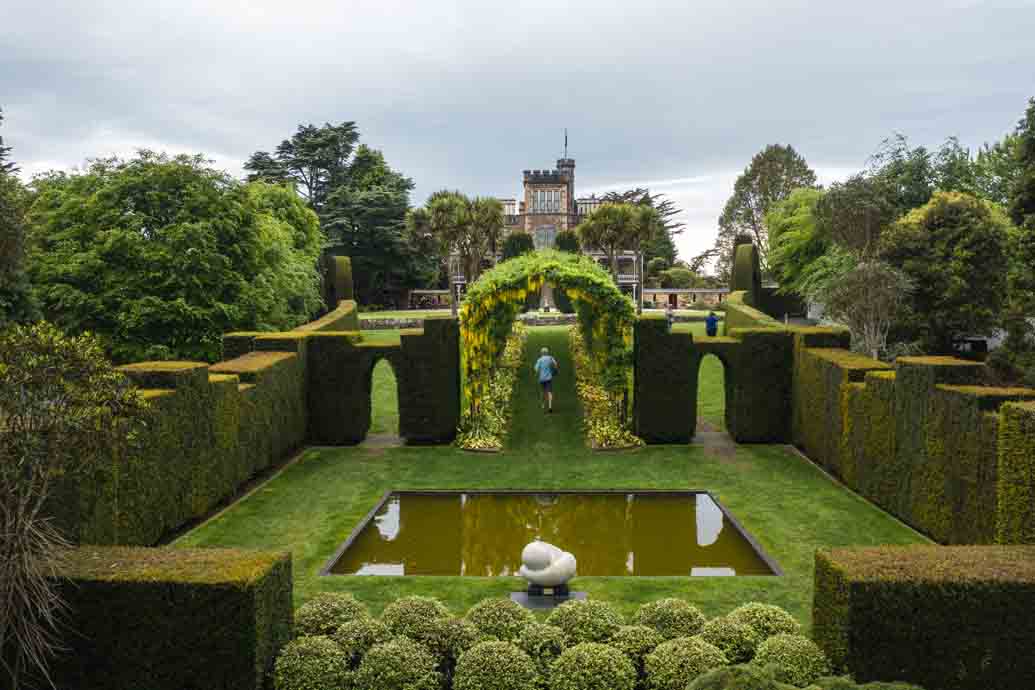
(544,565)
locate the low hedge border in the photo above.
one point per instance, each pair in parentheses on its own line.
(941,617)
(167,619)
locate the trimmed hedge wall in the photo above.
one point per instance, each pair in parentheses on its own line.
(345,317)
(173,618)
(940,617)
(746,275)
(427,368)
(1015,522)
(338,279)
(740,314)
(665,380)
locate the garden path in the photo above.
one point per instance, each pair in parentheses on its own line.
(531,428)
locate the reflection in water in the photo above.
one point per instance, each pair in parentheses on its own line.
(610,534)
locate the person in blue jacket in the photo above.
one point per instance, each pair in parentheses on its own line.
(546,368)
(711,325)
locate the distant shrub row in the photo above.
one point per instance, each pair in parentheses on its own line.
(583,645)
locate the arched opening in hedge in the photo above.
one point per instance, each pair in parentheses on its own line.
(711,392)
(383,389)
(492,303)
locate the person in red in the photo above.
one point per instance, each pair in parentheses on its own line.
(546,368)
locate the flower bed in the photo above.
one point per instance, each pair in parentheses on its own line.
(500,646)
(604,428)
(485,427)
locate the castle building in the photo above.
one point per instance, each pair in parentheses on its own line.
(547,206)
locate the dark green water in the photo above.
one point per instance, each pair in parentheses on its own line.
(609,534)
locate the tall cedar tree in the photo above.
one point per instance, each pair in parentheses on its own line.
(16,303)
(773,174)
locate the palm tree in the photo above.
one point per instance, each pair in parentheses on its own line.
(612,228)
(471,227)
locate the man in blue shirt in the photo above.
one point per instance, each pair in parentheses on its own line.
(546,367)
(711,324)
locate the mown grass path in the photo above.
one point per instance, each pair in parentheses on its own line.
(532,430)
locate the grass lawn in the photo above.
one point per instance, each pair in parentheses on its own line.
(789,506)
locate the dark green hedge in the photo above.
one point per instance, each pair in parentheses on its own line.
(1015,523)
(746,275)
(868,439)
(170,619)
(344,317)
(941,617)
(338,280)
(427,368)
(740,314)
(776,305)
(758,390)
(665,379)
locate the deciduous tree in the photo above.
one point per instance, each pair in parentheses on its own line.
(772,175)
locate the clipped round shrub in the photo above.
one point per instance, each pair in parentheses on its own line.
(585,621)
(793,659)
(671,617)
(326,612)
(448,638)
(494,666)
(401,664)
(311,663)
(413,617)
(543,643)
(501,618)
(766,619)
(592,666)
(740,677)
(846,683)
(357,637)
(737,641)
(636,642)
(677,662)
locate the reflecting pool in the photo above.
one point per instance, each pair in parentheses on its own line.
(610,533)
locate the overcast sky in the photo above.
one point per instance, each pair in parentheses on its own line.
(674,95)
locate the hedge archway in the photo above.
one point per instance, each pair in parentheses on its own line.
(606,316)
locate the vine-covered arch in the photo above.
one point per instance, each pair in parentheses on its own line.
(606,316)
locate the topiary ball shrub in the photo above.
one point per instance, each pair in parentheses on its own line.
(636,642)
(740,677)
(311,663)
(585,621)
(543,643)
(677,662)
(793,659)
(671,617)
(502,618)
(846,683)
(326,612)
(413,617)
(494,666)
(357,637)
(401,664)
(766,619)
(592,666)
(449,638)
(738,641)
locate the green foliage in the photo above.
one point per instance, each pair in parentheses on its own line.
(855,213)
(740,677)
(679,661)
(486,426)
(636,642)
(947,249)
(311,663)
(1022,196)
(449,638)
(494,666)
(601,412)
(585,621)
(765,619)
(543,643)
(516,244)
(16,300)
(794,659)
(671,617)
(412,616)
(568,241)
(358,636)
(678,277)
(660,243)
(970,603)
(592,666)
(795,241)
(6,167)
(773,174)
(197,255)
(614,227)
(326,612)
(737,641)
(1015,488)
(401,664)
(501,618)
(214,618)
(471,227)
